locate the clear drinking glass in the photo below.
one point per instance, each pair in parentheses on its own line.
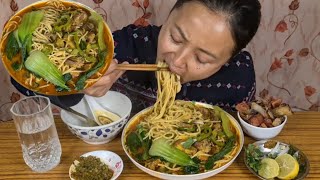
(41,148)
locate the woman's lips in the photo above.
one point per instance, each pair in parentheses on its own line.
(177,72)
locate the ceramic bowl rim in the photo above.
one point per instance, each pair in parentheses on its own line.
(105,125)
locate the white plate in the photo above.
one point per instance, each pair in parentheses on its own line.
(111,159)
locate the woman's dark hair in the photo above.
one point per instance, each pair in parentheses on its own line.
(243,17)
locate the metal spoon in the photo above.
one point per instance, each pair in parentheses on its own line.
(101,114)
(89,121)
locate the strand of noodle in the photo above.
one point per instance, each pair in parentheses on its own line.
(59,35)
(31,78)
(46,85)
(93,52)
(99,74)
(92,80)
(167,167)
(64,60)
(82,37)
(165,89)
(57,4)
(71,71)
(200,153)
(87,84)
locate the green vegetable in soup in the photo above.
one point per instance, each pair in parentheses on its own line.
(191,169)
(188,143)
(214,136)
(16,66)
(26,47)
(226,124)
(162,148)
(63,23)
(95,17)
(66,77)
(40,64)
(81,82)
(225,150)
(12,47)
(138,144)
(29,23)
(205,133)
(133,142)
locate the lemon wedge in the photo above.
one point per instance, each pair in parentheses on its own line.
(269,168)
(289,167)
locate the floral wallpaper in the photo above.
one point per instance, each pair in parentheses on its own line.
(286,52)
(286,49)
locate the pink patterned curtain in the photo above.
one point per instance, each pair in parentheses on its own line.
(286,49)
(286,52)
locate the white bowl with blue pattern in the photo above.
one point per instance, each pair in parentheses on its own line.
(112,100)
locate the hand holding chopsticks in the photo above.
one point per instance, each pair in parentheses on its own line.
(141,67)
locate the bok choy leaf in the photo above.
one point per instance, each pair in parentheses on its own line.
(40,64)
(29,23)
(12,46)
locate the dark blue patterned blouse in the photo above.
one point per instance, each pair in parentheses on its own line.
(233,83)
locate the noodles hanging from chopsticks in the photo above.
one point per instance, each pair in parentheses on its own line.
(169,115)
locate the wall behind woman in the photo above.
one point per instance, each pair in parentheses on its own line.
(286,49)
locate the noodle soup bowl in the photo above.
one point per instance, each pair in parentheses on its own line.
(112,100)
(134,121)
(22,75)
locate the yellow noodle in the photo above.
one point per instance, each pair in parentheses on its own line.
(167,167)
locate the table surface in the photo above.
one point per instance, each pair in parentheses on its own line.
(302,130)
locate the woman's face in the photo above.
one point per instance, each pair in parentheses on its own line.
(195,42)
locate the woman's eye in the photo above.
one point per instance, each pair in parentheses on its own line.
(175,40)
(199,60)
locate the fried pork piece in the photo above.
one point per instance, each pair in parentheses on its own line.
(204,146)
(269,108)
(256,120)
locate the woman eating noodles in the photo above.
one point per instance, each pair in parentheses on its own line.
(201,41)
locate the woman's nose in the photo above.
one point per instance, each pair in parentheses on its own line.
(180,59)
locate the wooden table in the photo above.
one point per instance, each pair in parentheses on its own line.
(302,130)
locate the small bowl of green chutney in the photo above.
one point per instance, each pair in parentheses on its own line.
(96,165)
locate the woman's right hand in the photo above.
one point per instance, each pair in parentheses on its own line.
(102,86)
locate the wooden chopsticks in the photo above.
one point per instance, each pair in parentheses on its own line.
(141,67)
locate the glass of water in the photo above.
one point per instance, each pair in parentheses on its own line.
(41,148)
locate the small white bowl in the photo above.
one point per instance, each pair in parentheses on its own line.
(260,133)
(112,100)
(111,159)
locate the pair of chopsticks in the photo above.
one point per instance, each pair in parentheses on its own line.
(141,67)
